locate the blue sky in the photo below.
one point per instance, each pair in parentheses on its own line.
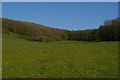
(63,15)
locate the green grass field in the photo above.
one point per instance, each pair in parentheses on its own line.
(67,59)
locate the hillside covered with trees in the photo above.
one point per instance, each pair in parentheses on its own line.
(36,32)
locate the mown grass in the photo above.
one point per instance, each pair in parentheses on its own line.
(67,59)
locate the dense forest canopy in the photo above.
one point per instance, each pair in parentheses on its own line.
(36,32)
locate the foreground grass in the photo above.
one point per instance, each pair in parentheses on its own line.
(68,59)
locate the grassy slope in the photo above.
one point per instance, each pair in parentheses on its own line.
(22,58)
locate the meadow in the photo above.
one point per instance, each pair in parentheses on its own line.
(63,59)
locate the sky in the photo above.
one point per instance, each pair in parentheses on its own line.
(60,0)
(62,15)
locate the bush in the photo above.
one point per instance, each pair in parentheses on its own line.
(40,39)
(5,30)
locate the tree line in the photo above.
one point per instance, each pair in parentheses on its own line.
(36,32)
